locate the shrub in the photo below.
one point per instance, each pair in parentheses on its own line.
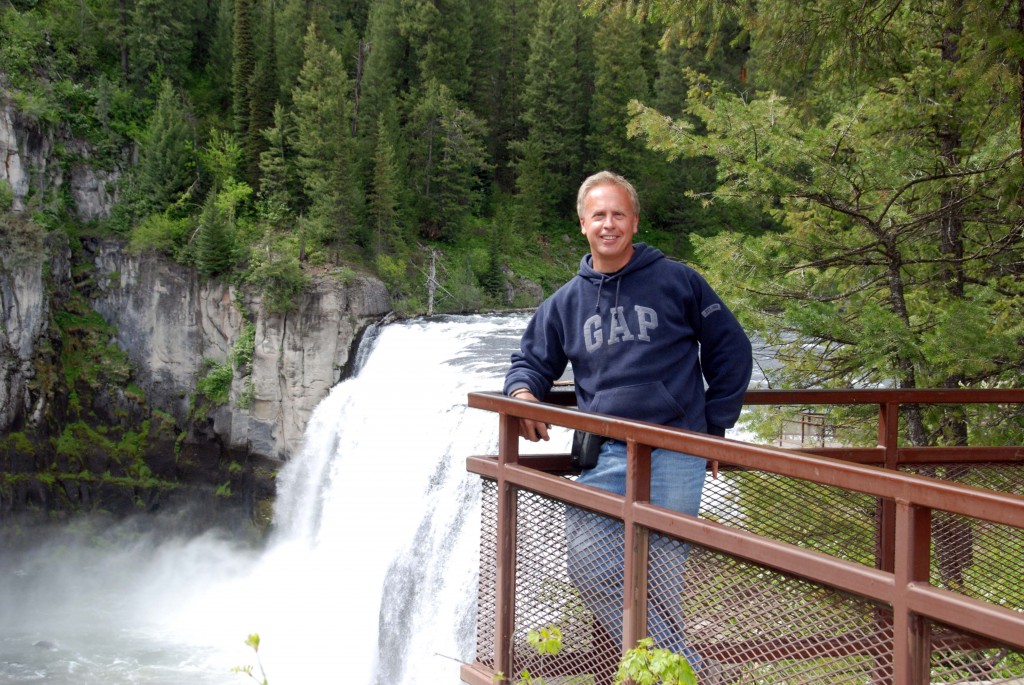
(161,233)
(215,386)
(280,280)
(6,195)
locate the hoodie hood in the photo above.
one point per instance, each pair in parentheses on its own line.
(643,256)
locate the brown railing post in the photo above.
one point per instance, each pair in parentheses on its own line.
(505,579)
(634,596)
(911,639)
(885,544)
(888,440)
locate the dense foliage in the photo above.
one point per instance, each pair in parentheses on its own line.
(272,137)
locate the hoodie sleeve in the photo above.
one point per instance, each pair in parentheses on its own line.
(726,358)
(541,358)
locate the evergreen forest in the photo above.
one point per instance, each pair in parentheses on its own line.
(847,173)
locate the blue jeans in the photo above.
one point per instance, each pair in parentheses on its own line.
(595,545)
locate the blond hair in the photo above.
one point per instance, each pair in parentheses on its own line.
(606,178)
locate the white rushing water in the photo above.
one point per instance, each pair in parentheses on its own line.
(370,573)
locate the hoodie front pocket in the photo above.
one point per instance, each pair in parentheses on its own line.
(644,402)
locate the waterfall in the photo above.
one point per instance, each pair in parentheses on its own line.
(377,519)
(370,576)
(381,503)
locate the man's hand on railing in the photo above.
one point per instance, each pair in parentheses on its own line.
(529,429)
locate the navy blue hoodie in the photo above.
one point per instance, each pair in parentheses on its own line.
(642,342)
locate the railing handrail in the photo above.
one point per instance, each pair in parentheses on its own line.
(902,581)
(961,499)
(887,396)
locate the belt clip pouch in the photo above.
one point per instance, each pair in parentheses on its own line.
(585,448)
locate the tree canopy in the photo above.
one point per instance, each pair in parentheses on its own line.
(848,173)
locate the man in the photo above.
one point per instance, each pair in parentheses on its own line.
(643,334)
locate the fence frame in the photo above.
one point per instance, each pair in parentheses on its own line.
(900,581)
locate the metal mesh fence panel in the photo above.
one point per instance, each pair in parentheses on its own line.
(959,657)
(973,557)
(819,517)
(736,621)
(486,599)
(547,598)
(748,624)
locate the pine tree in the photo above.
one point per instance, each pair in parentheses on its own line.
(493,280)
(222,159)
(263,96)
(326,159)
(620,77)
(385,76)
(503,107)
(447,161)
(555,103)
(278,184)
(166,154)
(537,199)
(384,69)
(338,25)
(214,239)
(384,198)
(291,22)
(243,65)
(161,39)
(348,45)
(218,65)
(671,187)
(439,33)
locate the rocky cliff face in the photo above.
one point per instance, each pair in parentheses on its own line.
(118,429)
(106,414)
(299,356)
(29,276)
(36,174)
(174,324)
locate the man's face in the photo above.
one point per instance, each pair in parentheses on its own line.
(609,223)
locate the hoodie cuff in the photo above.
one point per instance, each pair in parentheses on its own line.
(517,386)
(717,431)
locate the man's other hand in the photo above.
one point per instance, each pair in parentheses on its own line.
(529,429)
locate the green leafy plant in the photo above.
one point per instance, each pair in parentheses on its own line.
(253,641)
(6,195)
(546,640)
(646,664)
(216,384)
(244,348)
(281,280)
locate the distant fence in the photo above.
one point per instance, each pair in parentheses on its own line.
(810,565)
